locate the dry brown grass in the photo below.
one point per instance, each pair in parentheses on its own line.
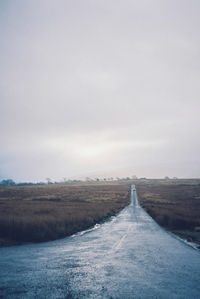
(174,204)
(41,213)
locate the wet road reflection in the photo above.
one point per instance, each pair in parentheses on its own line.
(129,256)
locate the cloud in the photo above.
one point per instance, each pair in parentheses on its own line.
(94,86)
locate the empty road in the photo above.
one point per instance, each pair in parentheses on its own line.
(129,256)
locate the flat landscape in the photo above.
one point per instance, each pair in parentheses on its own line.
(42,213)
(174,204)
(48,212)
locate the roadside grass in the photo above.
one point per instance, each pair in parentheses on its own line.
(42,213)
(174,204)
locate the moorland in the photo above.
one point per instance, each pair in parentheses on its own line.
(174,204)
(48,212)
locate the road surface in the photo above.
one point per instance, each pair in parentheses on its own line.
(129,256)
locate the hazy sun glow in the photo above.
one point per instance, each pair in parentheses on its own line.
(91,86)
(83,147)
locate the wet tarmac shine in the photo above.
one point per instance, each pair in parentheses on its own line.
(129,256)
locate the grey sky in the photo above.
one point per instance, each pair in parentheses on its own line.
(99,87)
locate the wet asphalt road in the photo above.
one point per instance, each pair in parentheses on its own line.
(129,256)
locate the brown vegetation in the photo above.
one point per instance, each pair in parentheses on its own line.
(174,204)
(41,213)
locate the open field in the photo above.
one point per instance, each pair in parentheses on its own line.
(174,204)
(42,213)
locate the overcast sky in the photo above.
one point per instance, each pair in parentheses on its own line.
(96,87)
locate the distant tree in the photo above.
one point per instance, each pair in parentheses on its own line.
(8,182)
(88,179)
(26,184)
(48,181)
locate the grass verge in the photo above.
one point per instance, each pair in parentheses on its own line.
(174,204)
(43,213)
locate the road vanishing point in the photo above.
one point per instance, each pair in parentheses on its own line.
(129,256)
